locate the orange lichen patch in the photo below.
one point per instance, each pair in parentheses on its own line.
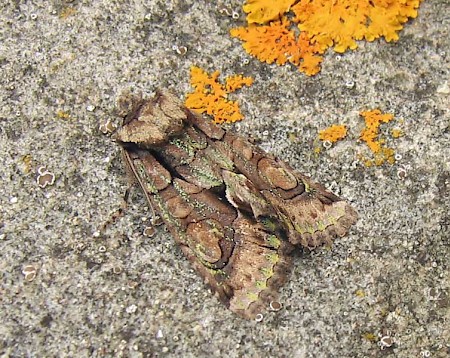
(333,133)
(322,23)
(373,120)
(340,23)
(263,11)
(276,42)
(210,96)
(369,135)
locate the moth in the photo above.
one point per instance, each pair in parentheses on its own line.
(236,211)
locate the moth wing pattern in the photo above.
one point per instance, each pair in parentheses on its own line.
(235,210)
(312,215)
(240,259)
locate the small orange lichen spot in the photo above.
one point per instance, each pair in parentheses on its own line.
(397,133)
(62,114)
(292,137)
(370,337)
(210,96)
(263,11)
(360,293)
(27,161)
(276,42)
(373,120)
(67,12)
(333,133)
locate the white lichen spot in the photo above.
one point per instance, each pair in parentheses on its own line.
(45,177)
(275,306)
(156,220)
(149,231)
(29,271)
(327,144)
(349,84)
(225,11)
(107,127)
(259,317)
(443,88)
(131,309)
(334,188)
(386,342)
(401,173)
(432,294)
(132,285)
(180,50)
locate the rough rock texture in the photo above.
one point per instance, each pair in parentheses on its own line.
(67,291)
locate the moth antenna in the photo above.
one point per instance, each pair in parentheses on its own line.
(116,214)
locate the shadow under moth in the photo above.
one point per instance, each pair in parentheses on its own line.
(236,211)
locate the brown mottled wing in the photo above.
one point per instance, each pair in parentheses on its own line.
(234,210)
(312,214)
(243,261)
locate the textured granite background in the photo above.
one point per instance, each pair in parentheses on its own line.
(62,64)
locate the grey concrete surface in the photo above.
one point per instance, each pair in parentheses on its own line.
(122,294)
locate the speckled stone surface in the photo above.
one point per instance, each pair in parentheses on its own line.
(68,292)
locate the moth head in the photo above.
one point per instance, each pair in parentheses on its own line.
(128,103)
(150,122)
